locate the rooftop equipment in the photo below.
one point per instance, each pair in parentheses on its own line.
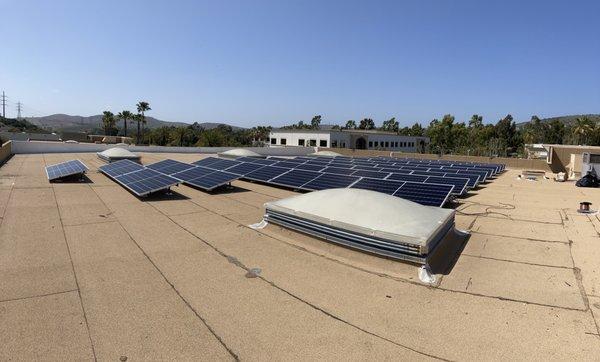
(240,152)
(590,161)
(366,220)
(65,169)
(116,154)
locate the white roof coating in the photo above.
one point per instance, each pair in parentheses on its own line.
(239,152)
(325,153)
(369,213)
(117,153)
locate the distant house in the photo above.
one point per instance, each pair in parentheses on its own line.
(354,139)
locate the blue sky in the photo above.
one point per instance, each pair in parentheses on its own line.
(277,62)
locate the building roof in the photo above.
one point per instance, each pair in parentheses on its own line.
(90,271)
(353,131)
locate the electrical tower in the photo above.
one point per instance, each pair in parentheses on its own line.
(19,108)
(3,105)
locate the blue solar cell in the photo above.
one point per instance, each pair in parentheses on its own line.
(145,181)
(192,173)
(169,167)
(405,177)
(264,162)
(266,173)
(385,186)
(295,178)
(64,169)
(285,164)
(244,168)
(330,181)
(213,180)
(121,167)
(371,174)
(309,167)
(135,176)
(206,161)
(460,184)
(425,194)
(366,168)
(223,164)
(338,170)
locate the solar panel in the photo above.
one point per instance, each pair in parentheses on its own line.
(425,194)
(121,167)
(169,167)
(385,186)
(285,164)
(295,178)
(309,167)
(244,168)
(145,181)
(192,173)
(206,161)
(460,184)
(264,162)
(222,164)
(338,170)
(404,177)
(65,169)
(330,181)
(371,174)
(266,173)
(213,180)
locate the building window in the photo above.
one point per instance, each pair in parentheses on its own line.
(312,143)
(387,144)
(343,144)
(322,143)
(334,144)
(283,141)
(376,143)
(370,144)
(412,144)
(300,142)
(396,144)
(273,141)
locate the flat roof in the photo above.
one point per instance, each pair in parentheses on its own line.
(90,271)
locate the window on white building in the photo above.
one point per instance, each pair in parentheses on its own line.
(273,141)
(301,142)
(312,143)
(283,141)
(322,143)
(334,144)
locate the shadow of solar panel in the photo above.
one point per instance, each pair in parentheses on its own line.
(244,168)
(295,178)
(308,167)
(425,194)
(330,181)
(65,169)
(169,167)
(266,173)
(213,180)
(192,173)
(206,161)
(405,177)
(371,174)
(385,186)
(338,170)
(121,167)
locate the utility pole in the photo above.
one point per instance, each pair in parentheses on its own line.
(19,107)
(3,105)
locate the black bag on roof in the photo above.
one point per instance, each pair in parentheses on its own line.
(589,180)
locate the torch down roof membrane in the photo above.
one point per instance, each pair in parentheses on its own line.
(367,220)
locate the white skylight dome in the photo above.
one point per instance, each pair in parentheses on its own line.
(117,153)
(366,220)
(240,152)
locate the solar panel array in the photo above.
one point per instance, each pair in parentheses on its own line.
(64,169)
(195,174)
(136,178)
(428,182)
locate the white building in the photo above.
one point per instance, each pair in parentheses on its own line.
(355,139)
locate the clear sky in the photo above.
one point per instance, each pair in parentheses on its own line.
(276,62)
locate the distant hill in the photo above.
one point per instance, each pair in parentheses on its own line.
(15,125)
(567,120)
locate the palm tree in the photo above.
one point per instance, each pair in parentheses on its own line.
(124,116)
(142,107)
(108,121)
(583,128)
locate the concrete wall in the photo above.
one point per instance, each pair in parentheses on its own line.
(60,147)
(516,163)
(561,156)
(5,151)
